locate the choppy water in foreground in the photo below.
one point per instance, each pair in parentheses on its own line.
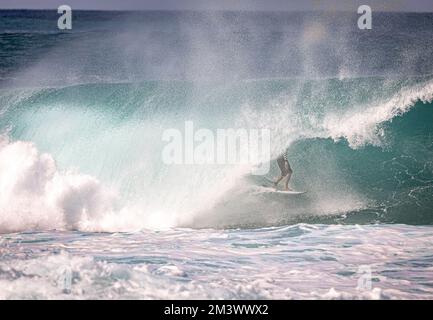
(295,262)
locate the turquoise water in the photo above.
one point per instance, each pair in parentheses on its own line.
(84,189)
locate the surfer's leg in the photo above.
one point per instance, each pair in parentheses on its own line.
(277,181)
(282,166)
(286,186)
(289,175)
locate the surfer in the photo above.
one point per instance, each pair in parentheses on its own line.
(286,171)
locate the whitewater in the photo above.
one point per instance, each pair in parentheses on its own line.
(89,210)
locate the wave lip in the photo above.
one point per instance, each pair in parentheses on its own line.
(361,126)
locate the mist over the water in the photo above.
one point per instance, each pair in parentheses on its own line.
(127,46)
(82,114)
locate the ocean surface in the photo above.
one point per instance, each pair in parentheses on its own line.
(88,209)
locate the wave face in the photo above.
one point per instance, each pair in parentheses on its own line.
(82,124)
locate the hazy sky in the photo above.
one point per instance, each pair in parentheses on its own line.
(380,5)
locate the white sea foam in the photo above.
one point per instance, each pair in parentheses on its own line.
(36,195)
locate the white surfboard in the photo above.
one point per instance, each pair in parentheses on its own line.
(273,190)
